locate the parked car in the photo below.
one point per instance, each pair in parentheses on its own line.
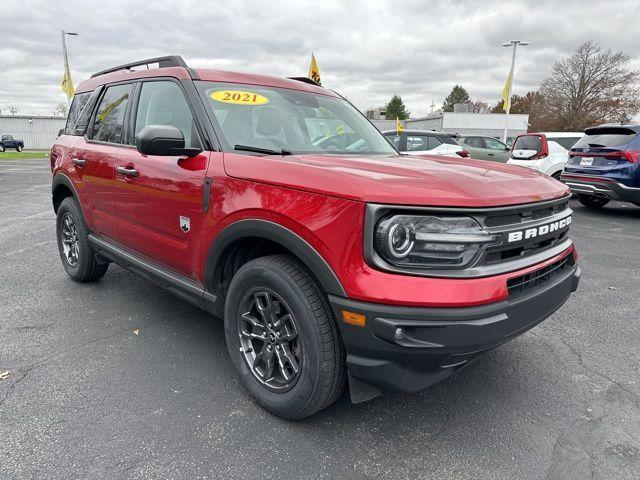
(330,263)
(545,152)
(8,142)
(421,142)
(484,148)
(604,165)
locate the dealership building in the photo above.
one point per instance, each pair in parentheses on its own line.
(37,132)
(463,123)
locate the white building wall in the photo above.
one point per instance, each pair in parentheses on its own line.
(490,124)
(384,125)
(37,133)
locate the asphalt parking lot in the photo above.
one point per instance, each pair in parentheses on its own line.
(119,379)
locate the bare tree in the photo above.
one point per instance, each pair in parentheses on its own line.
(480,106)
(61,109)
(591,87)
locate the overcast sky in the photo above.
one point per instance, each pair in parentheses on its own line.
(367,50)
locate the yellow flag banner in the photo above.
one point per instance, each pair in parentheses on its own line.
(314,71)
(399,127)
(67,84)
(505,93)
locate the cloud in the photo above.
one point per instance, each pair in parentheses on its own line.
(367,50)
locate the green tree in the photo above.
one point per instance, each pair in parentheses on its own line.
(396,109)
(458,95)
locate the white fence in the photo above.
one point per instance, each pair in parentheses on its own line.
(37,133)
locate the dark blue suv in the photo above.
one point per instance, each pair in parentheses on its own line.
(604,166)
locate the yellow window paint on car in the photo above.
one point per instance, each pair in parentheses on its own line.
(239,97)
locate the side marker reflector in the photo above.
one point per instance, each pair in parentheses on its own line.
(357,319)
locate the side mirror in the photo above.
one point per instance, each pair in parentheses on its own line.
(524,154)
(163,140)
(61,132)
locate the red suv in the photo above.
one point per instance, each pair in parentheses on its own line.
(274,204)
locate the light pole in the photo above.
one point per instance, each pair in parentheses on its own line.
(67,71)
(514,44)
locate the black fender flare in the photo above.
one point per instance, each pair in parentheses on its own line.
(280,235)
(61,179)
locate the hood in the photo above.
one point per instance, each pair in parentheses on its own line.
(427,180)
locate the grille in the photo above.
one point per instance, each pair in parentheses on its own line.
(528,283)
(526,214)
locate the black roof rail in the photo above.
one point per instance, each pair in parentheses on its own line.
(163,62)
(305,80)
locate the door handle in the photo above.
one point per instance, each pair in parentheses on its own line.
(491,154)
(80,162)
(129,172)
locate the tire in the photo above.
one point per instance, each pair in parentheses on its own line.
(281,285)
(18,149)
(78,259)
(590,201)
(557,175)
(1,148)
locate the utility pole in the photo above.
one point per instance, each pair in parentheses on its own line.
(67,71)
(514,44)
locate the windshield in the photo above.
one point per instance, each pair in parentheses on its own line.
(282,119)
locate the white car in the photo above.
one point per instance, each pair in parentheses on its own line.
(546,152)
(421,142)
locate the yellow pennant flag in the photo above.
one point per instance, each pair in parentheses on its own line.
(67,84)
(399,127)
(506,99)
(314,71)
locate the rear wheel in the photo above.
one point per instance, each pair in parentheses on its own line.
(18,148)
(590,201)
(282,337)
(78,259)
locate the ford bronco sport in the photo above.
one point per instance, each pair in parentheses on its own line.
(275,205)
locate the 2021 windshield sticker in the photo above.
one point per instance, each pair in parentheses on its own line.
(239,97)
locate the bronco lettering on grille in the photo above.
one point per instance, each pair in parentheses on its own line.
(539,230)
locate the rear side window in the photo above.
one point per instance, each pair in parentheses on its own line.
(416,143)
(108,124)
(78,103)
(606,137)
(445,139)
(528,142)
(395,139)
(565,142)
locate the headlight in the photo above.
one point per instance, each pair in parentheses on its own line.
(417,241)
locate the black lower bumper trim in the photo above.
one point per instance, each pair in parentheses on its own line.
(409,348)
(604,189)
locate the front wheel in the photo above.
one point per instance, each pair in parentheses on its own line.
(1,148)
(590,201)
(282,337)
(78,259)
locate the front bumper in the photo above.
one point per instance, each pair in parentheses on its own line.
(601,187)
(408,348)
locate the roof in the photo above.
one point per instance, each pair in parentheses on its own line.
(557,134)
(204,74)
(418,132)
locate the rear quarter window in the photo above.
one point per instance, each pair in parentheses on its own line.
(78,103)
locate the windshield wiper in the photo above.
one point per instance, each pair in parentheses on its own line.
(267,151)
